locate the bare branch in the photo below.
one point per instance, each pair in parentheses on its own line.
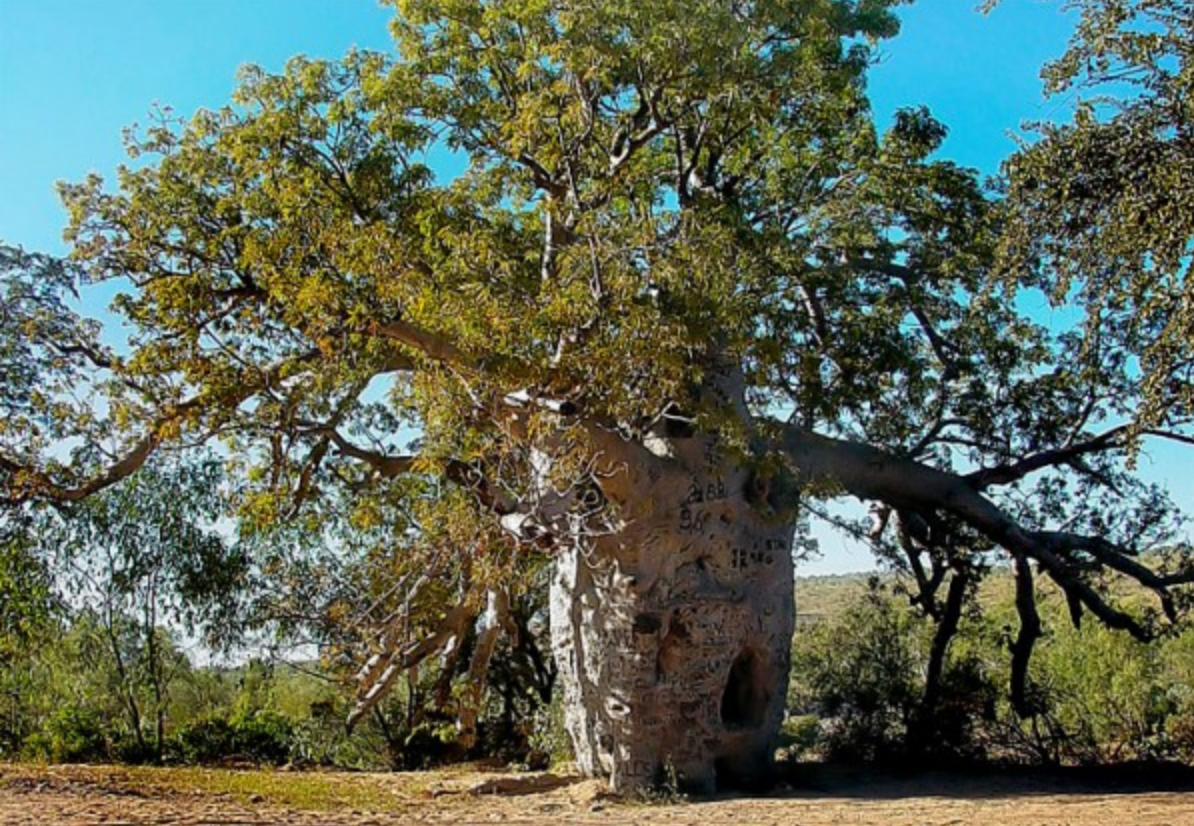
(385,465)
(1015,471)
(872,474)
(1116,438)
(381,669)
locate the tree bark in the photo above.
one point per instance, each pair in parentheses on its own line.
(673,634)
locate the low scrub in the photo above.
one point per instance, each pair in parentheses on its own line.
(1099,697)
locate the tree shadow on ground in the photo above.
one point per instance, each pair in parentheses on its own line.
(979,783)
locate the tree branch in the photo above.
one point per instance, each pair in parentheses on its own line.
(387,466)
(26,482)
(1116,438)
(1015,471)
(431,345)
(1030,632)
(381,669)
(872,474)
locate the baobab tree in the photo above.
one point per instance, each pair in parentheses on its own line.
(681,287)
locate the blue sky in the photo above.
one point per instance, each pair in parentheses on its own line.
(74,73)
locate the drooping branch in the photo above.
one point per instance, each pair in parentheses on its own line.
(381,669)
(1113,557)
(874,475)
(948,620)
(491,624)
(1029,633)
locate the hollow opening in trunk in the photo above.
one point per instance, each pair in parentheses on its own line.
(744,701)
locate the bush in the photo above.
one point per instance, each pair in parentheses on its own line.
(206,740)
(262,737)
(1102,699)
(861,674)
(548,741)
(1100,696)
(70,735)
(798,736)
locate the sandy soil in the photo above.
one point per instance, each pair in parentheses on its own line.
(87,795)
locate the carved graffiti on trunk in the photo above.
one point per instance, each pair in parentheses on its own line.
(673,635)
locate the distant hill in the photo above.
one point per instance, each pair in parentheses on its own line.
(825,596)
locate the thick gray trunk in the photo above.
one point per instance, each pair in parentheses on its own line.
(673,635)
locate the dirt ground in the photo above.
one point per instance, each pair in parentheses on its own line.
(87,795)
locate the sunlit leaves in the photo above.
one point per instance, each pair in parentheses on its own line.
(1101,205)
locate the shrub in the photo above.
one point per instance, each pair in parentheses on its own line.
(861,674)
(798,736)
(1103,699)
(262,737)
(548,741)
(1099,695)
(206,740)
(70,735)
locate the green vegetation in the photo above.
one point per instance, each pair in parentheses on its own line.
(60,708)
(857,694)
(65,698)
(1098,696)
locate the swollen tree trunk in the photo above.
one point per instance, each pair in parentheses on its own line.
(672,634)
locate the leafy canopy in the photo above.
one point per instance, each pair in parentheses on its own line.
(669,215)
(1100,207)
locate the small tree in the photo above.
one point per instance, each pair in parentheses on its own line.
(145,557)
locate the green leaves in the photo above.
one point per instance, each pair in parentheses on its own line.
(28,603)
(1099,208)
(152,544)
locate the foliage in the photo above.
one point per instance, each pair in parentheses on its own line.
(1099,696)
(47,354)
(1104,692)
(548,740)
(860,672)
(261,737)
(139,556)
(863,673)
(28,604)
(66,701)
(1099,208)
(72,735)
(151,546)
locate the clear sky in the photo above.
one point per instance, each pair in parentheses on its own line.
(74,73)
